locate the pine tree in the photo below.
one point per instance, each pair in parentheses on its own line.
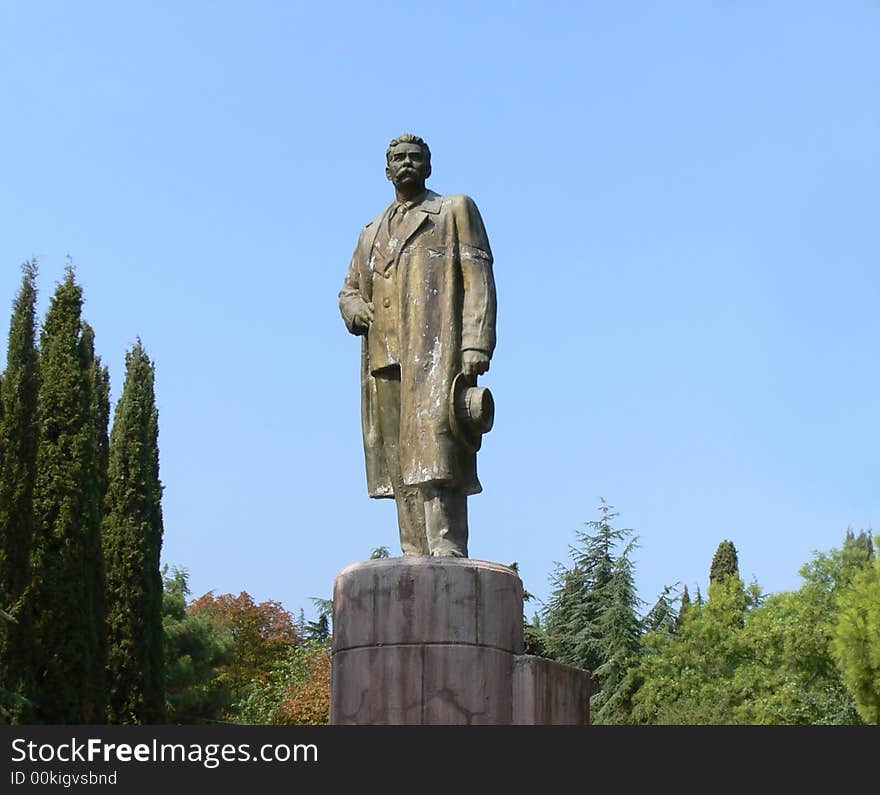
(724,562)
(662,617)
(196,647)
(569,619)
(620,628)
(68,567)
(132,532)
(18,441)
(590,619)
(534,637)
(319,629)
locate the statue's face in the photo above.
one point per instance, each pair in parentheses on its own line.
(408,166)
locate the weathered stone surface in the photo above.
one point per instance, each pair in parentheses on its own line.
(377,686)
(427,600)
(549,693)
(420,291)
(422,640)
(425,640)
(437,684)
(467,685)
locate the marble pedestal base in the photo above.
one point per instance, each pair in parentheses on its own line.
(421,640)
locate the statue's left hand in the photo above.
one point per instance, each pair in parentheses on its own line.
(474,363)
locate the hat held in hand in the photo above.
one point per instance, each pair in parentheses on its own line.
(471,411)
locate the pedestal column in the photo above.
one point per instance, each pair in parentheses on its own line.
(421,640)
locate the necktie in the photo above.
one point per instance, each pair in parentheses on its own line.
(396,219)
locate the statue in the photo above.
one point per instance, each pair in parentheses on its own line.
(420,293)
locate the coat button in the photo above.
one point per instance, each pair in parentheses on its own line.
(386,303)
(388,274)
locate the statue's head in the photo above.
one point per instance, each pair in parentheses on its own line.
(408,161)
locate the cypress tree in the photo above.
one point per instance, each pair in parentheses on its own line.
(18,441)
(857,549)
(98,378)
(724,562)
(132,532)
(683,608)
(101,409)
(68,570)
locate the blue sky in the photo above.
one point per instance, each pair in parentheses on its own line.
(682,203)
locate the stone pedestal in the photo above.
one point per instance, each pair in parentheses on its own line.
(421,640)
(548,693)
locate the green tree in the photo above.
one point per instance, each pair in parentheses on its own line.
(856,639)
(724,563)
(683,608)
(686,677)
(11,704)
(68,566)
(195,650)
(788,673)
(18,443)
(100,411)
(296,690)
(743,658)
(590,619)
(319,629)
(132,537)
(98,378)
(534,637)
(662,616)
(858,547)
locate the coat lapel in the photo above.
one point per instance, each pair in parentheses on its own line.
(378,225)
(413,222)
(415,218)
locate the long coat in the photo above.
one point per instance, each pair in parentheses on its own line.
(445,303)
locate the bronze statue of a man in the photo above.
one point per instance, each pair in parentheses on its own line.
(420,292)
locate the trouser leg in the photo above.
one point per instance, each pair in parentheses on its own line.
(446,521)
(409,501)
